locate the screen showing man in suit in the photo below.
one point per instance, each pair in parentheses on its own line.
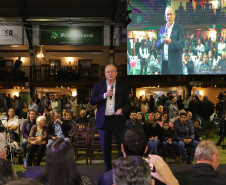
(112,99)
(170,34)
(171,42)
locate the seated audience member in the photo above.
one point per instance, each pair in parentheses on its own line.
(168,139)
(7,172)
(153,132)
(141,118)
(204,66)
(91,123)
(58,129)
(133,122)
(12,123)
(82,118)
(144,110)
(157,116)
(184,133)
(165,117)
(32,105)
(134,144)
(198,131)
(173,109)
(68,120)
(204,172)
(26,128)
(160,109)
(131,170)
(2,146)
(60,167)
(24,181)
(176,118)
(64,114)
(189,116)
(37,139)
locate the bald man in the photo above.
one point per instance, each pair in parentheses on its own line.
(82,118)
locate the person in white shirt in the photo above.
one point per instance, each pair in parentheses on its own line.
(12,123)
(221,47)
(144,54)
(200,48)
(32,105)
(54,104)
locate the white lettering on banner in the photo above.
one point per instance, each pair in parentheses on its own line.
(76,35)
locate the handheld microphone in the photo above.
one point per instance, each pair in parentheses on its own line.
(111,88)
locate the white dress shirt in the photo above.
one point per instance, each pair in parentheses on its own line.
(166,46)
(110,103)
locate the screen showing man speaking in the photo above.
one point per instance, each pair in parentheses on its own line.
(180,38)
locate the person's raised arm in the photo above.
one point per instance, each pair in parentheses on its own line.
(163,172)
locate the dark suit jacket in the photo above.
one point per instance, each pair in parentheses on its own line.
(121,102)
(175,48)
(65,128)
(201,174)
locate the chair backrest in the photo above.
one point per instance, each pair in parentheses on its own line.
(81,136)
(95,137)
(81,125)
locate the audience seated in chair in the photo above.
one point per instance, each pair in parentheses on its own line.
(82,118)
(37,139)
(26,128)
(57,129)
(184,133)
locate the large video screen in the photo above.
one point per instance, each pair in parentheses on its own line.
(184,39)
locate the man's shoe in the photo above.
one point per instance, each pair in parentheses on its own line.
(218,144)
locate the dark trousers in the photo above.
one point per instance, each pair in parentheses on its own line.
(40,152)
(143,66)
(165,68)
(111,125)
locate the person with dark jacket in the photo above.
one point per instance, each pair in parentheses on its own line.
(134,122)
(184,133)
(26,128)
(168,139)
(153,132)
(194,107)
(58,129)
(207,109)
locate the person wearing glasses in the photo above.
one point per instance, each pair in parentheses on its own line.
(112,98)
(171,42)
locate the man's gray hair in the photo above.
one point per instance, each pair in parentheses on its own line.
(111,65)
(170,7)
(205,150)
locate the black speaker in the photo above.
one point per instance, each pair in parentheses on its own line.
(82,95)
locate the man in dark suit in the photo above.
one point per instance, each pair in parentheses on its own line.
(171,42)
(205,171)
(113,102)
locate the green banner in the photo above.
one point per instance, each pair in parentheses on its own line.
(71,35)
